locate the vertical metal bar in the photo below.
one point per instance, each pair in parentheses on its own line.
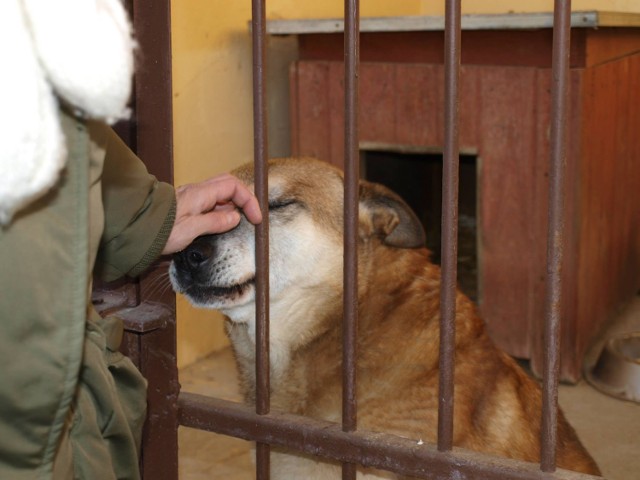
(153,88)
(258,23)
(150,135)
(450,177)
(559,118)
(352,175)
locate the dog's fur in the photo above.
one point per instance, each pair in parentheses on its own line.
(497,406)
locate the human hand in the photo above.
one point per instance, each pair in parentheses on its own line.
(210,206)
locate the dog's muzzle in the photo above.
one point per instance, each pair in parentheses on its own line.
(204,278)
(192,263)
(195,256)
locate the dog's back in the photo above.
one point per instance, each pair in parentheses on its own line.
(497,406)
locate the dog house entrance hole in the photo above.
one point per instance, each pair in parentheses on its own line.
(417,178)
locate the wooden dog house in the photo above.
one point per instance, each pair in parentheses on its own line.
(505,115)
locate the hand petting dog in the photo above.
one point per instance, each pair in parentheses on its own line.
(210,207)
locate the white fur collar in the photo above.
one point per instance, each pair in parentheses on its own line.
(76,51)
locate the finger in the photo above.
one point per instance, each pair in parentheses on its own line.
(225,207)
(220,221)
(213,222)
(191,228)
(227,188)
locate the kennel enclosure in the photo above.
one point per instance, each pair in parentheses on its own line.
(150,338)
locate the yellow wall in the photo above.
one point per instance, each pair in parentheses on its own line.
(518,6)
(213,105)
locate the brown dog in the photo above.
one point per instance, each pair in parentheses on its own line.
(497,406)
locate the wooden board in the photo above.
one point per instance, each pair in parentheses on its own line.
(402,105)
(505,118)
(422,23)
(526,48)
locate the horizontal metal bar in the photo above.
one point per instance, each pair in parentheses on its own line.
(377,450)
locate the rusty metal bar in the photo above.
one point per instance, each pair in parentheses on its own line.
(352,176)
(376,450)
(559,120)
(150,335)
(153,89)
(258,30)
(450,174)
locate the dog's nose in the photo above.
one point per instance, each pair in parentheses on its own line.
(195,258)
(196,254)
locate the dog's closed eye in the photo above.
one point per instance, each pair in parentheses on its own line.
(281,203)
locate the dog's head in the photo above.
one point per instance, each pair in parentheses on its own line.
(305,243)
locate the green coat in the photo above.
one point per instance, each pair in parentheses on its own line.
(71,406)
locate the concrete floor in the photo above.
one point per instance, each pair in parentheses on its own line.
(608,427)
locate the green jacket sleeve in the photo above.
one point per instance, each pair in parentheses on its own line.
(139,213)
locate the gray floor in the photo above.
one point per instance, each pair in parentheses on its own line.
(609,428)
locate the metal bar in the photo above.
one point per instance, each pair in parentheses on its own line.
(352,176)
(377,450)
(153,88)
(258,24)
(150,342)
(559,119)
(450,179)
(150,336)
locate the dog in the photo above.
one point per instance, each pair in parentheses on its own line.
(497,406)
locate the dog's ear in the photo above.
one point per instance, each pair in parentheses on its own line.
(384,214)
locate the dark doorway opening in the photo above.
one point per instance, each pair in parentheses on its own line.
(417,178)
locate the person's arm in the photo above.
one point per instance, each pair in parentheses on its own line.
(145,218)
(139,212)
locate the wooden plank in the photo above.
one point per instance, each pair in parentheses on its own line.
(570,359)
(570,353)
(608,44)
(377,117)
(506,187)
(313,119)
(526,48)
(392,47)
(294,110)
(618,19)
(418,105)
(413,23)
(336,113)
(596,189)
(470,109)
(539,217)
(609,267)
(602,251)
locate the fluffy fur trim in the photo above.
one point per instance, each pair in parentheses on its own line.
(79,52)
